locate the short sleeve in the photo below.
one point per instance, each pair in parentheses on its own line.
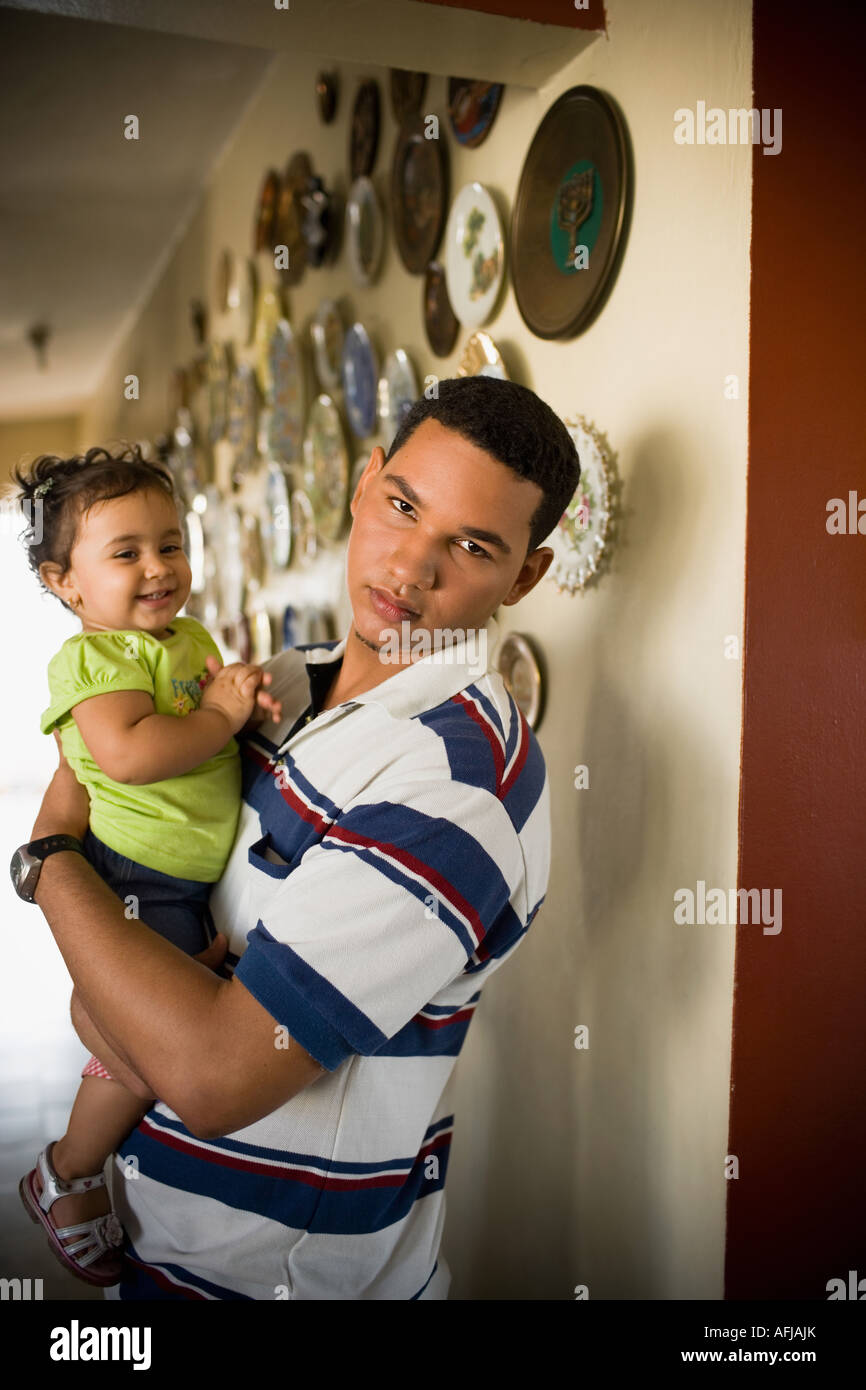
(389,907)
(95,663)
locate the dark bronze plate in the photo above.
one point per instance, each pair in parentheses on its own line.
(570,214)
(407,93)
(419,195)
(266,212)
(326,94)
(440,321)
(364,134)
(289,229)
(472,107)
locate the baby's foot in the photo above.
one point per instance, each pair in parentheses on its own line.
(77,1206)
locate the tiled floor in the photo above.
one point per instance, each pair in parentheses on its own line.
(40,1061)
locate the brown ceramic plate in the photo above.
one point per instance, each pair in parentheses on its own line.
(289,229)
(364,134)
(570,214)
(419,195)
(440,321)
(407,93)
(266,212)
(326,94)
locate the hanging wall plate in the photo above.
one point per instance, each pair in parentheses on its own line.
(481,357)
(360,375)
(364,133)
(243,420)
(276,516)
(472,107)
(287,401)
(474,255)
(580,540)
(570,214)
(519,668)
(407,93)
(266,212)
(326,467)
(365,231)
(419,195)
(326,332)
(440,321)
(398,390)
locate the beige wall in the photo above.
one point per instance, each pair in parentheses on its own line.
(22,440)
(601,1167)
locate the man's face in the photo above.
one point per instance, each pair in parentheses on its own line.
(442,529)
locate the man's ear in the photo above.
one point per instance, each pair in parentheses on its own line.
(535,567)
(375,462)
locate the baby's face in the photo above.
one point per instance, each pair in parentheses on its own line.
(127,564)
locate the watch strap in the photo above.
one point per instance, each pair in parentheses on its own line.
(51,844)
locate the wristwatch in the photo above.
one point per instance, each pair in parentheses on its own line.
(27,861)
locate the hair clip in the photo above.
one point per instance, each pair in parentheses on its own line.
(43,488)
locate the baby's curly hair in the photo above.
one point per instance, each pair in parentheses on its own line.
(65,489)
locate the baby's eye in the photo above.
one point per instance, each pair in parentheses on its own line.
(125,555)
(171,547)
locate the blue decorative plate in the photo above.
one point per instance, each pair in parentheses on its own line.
(360,375)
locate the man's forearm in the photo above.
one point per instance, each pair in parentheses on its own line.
(108,1053)
(155,1004)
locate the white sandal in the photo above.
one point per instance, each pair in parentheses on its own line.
(97,1257)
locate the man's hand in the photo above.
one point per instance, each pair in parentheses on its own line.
(65,808)
(250,699)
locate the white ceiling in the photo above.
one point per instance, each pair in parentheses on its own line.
(89,219)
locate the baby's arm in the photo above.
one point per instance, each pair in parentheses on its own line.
(133,744)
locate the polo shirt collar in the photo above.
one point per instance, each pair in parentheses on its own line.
(429,680)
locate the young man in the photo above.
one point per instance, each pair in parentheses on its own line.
(393,850)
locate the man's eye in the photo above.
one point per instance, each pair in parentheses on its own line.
(402,502)
(479,550)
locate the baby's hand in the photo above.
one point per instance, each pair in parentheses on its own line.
(241,696)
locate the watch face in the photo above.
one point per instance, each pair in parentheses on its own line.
(23,877)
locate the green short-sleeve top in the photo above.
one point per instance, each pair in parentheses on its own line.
(184,826)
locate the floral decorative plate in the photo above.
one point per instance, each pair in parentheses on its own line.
(326,332)
(365,231)
(474,255)
(287,401)
(326,467)
(481,357)
(398,390)
(360,378)
(580,539)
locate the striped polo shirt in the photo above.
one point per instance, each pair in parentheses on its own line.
(391,853)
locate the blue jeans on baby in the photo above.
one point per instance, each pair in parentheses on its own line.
(176,908)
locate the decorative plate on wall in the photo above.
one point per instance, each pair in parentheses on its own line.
(276,516)
(580,539)
(364,133)
(419,194)
(365,231)
(218,372)
(287,401)
(481,357)
(266,212)
(193,534)
(289,231)
(407,93)
(326,332)
(268,314)
(231,570)
(472,107)
(398,390)
(440,321)
(518,666)
(304,542)
(243,420)
(326,467)
(326,95)
(360,375)
(239,274)
(570,214)
(474,255)
(319,221)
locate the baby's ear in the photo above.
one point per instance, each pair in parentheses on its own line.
(52,576)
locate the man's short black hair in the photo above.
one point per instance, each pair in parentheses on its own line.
(516,427)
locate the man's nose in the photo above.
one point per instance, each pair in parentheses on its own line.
(413,562)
